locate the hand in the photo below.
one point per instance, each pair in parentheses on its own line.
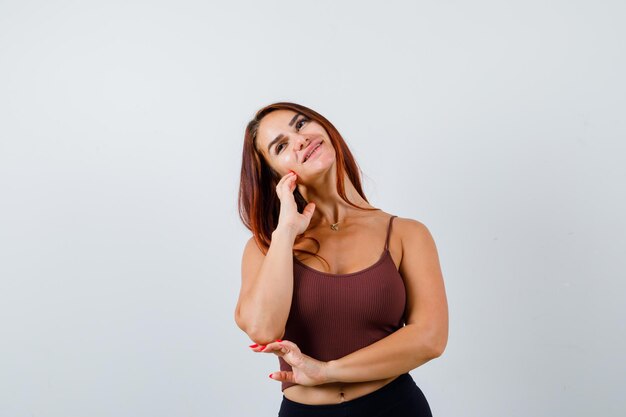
(289,215)
(305,370)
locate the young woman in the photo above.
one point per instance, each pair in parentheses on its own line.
(349,298)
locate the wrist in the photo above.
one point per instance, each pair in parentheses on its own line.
(332,372)
(286,232)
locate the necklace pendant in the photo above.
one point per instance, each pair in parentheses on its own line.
(335,226)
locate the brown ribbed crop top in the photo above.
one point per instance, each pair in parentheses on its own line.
(333,315)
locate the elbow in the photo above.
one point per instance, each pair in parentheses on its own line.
(239,320)
(437,350)
(259,334)
(264,336)
(428,351)
(437,346)
(431,344)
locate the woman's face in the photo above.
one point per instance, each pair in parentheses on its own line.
(286,140)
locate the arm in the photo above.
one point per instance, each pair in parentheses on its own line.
(423,338)
(267,280)
(266,287)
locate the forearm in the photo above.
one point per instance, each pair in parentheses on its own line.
(265,308)
(398,353)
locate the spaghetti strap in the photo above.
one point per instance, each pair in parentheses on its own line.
(389,232)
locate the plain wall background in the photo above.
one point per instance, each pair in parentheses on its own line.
(498,124)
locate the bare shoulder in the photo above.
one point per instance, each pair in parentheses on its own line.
(411,231)
(252,254)
(252,247)
(415,239)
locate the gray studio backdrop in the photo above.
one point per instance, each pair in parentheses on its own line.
(498,124)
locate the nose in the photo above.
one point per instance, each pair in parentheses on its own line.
(302,142)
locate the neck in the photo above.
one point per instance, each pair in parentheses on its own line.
(330,208)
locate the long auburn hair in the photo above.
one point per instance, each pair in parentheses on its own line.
(259,205)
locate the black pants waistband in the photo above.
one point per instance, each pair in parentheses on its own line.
(400,397)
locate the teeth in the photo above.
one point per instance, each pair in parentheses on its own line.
(312,150)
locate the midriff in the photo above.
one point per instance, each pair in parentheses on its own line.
(333,393)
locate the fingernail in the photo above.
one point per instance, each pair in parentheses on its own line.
(263,348)
(278,340)
(271,375)
(254,345)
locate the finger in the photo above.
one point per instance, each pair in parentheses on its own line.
(283,376)
(285,177)
(293,184)
(285,349)
(286,180)
(308,210)
(290,345)
(292,181)
(280,183)
(274,347)
(257,348)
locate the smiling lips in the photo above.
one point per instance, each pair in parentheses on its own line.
(314,148)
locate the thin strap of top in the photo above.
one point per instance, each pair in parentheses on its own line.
(389,232)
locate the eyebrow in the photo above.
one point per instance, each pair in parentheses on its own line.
(279,137)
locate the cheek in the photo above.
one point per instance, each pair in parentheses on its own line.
(329,151)
(288,159)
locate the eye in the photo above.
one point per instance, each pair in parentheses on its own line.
(299,125)
(279,147)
